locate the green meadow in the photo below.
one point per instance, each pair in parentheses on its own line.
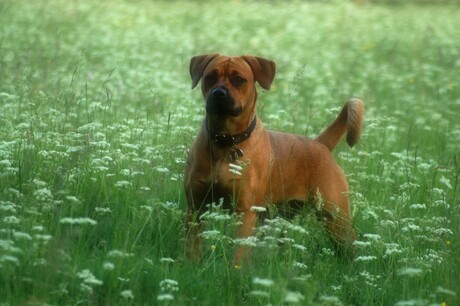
(97,115)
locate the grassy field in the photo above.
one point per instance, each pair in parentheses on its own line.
(96,115)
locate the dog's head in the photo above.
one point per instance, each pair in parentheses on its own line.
(228,83)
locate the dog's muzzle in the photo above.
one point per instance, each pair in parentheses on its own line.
(221,103)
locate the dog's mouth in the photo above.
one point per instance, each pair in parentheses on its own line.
(219,103)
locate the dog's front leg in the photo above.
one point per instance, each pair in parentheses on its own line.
(245,230)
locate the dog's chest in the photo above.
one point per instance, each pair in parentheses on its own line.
(225,172)
(221,181)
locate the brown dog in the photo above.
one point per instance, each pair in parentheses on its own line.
(282,167)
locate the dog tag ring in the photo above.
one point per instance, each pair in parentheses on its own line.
(237,153)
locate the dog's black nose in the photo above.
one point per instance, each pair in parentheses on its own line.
(219,92)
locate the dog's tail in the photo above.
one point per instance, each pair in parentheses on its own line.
(349,120)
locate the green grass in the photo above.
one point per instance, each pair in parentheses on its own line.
(96,115)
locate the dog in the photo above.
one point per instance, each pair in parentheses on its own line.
(280,167)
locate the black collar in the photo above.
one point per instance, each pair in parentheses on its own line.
(224,140)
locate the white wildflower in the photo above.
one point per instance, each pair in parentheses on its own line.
(259,293)
(408,186)
(299,265)
(127,294)
(162,169)
(100,168)
(169,285)
(361,243)
(7,207)
(330,300)
(167,260)
(336,288)
(125,172)
(39,183)
(388,223)
(176,177)
(103,210)
(265,282)
(38,228)
(392,248)
(258,209)
(216,216)
(118,253)
(23,126)
(75,149)
(124,280)
(44,238)
(365,258)
(411,303)
(236,172)
(8,246)
(21,236)
(286,240)
(417,206)
(122,184)
(179,160)
(85,288)
(130,146)
(297,228)
(170,205)
(293,297)
(89,127)
(88,278)
(438,191)
(40,262)
(10,220)
(441,203)
(43,195)
(410,271)
(443,231)
(303,278)
(5,163)
(373,237)
(445,181)
(15,192)
(108,266)
(9,259)
(327,251)
(78,221)
(165,297)
(249,241)
(73,199)
(211,234)
(299,247)
(442,290)
(235,167)
(411,228)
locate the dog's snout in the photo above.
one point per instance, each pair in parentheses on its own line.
(219,92)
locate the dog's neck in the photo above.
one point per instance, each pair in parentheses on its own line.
(222,138)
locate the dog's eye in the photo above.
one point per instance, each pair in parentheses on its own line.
(210,79)
(238,80)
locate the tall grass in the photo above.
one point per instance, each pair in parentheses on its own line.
(96,115)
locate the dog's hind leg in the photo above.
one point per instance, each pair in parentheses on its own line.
(333,207)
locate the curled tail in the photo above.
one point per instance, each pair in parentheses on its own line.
(349,120)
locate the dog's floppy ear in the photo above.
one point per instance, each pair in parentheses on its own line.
(264,70)
(198,65)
